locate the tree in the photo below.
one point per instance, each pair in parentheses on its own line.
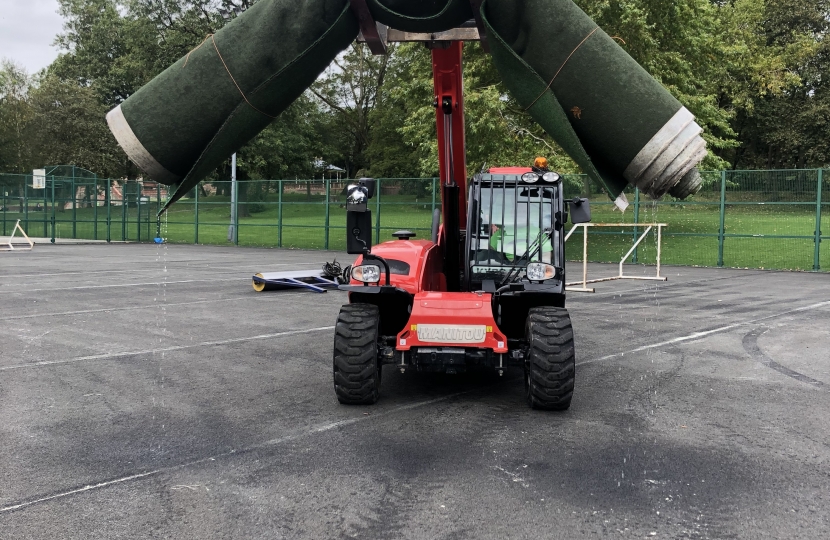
(754,72)
(15,114)
(348,92)
(289,146)
(104,49)
(285,149)
(113,47)
(788,126)
(498,131)
(67,126)
(683,45)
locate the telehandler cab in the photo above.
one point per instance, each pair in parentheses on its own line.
(488,289)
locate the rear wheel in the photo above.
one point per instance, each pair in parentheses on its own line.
(551,364)
(356,366)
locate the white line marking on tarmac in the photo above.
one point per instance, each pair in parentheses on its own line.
(212,280)
(342,423)
(321,428)
(107,356)
(90,272)
(79,490)
(651,286)
(131,308)
(698,335)
(175,265)
(123,285)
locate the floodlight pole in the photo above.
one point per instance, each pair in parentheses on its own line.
(232,227)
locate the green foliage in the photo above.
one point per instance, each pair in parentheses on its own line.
(787,126)
(683,45)
(498,132)
(347,93)
(288,147)
(754,72)
(15,114)
(68,126)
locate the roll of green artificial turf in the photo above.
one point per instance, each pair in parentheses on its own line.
(613,118)
(618,123)
(185,122)
(421,15)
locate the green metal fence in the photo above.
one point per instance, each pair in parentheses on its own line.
(748,219)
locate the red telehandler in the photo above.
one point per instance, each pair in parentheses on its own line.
(488,289)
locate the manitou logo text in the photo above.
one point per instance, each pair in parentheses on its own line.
(455,333)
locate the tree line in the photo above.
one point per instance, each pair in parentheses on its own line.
(756,73)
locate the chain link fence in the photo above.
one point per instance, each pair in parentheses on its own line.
(746,219)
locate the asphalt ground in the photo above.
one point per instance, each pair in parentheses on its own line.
(148,392)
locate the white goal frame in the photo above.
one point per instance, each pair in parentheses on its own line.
(7,244)
(582,286)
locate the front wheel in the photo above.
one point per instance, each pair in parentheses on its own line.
(356,367)
(551,364)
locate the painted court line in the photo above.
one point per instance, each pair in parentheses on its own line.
(698,335)
(123,285)
(175,265)
(79,490)
(108,356)
(132,308)
(314,430)
(652,286)
(116,285)
(321,428)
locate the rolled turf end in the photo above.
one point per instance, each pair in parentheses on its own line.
(139,155)
(669,157)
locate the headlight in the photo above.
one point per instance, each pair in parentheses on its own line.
(540,272)
(551,177)
(368,273)
(530,177)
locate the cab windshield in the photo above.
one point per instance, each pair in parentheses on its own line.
(515,227)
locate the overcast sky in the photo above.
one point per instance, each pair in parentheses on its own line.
(27,31)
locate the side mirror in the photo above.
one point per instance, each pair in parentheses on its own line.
(358,232)
(358,194)
(580,210)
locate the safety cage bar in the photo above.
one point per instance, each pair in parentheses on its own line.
(512,223)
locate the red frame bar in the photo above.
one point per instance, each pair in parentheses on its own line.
(446,72)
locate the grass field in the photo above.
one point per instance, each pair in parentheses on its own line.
(757,235)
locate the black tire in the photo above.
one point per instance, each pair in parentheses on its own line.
(551,364)
(356,367)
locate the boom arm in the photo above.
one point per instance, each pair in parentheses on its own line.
(446,50)
(452,147)
(449,120)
